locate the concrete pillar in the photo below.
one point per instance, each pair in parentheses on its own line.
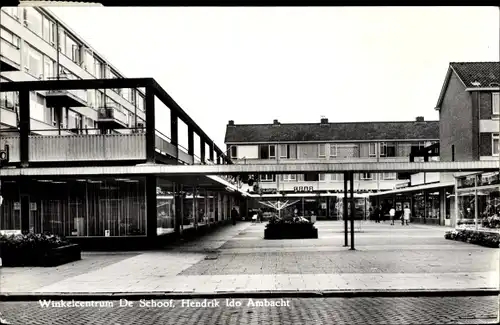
(178,208)
(344,212)
(24,126)
(151,215)
(351,189)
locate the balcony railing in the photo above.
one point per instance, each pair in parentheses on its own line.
(11,54)
(101,147)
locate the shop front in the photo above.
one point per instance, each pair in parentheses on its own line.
(478,201)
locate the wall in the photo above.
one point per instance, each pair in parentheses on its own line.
(456,126)
(248,152)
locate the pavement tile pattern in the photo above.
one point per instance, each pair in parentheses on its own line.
(429,310)
(238,259)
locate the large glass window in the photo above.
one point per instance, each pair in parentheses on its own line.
(33,20)
(387,149)
(432,205)
(48,67)
(88,60)
(419,205)
(49,30)
(466,205)
(9,37)
(9,100)
(10,210)
(267,151)
(488,204)
(12,11)
(165,207)
(33,61)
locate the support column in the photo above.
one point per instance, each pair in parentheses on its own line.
(150,125)
(178,209)
(24,127)
(476,213)
(174,132)
(25,205)
(190,141)
(195,212)
(151,214)
(344,207)
(211,153)
(202,150)
(353,210)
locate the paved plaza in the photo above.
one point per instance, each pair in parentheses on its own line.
(236,259)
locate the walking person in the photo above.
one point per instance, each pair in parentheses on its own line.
(234,215)
(406,216)
(260,215)
(376,214)
(392,214)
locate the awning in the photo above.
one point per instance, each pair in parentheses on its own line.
(415,188)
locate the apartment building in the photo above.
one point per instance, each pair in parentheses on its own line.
(36,45)
(94,117)
(469,108)
(304,143)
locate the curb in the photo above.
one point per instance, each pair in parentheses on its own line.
(85,296)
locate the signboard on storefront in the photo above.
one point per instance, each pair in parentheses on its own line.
(297,189)
(17,205)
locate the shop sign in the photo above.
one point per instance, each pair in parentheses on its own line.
(400,185)
(17,205)
(303,189)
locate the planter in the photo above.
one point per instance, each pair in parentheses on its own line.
(290,231)
(482,238)
(51,257)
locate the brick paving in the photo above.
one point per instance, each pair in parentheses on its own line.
(429,310)
(239,260)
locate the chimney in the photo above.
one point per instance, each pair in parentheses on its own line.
(324,120)
(276,122)
(420,119)
(231,123)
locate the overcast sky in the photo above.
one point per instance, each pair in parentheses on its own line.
(253,65)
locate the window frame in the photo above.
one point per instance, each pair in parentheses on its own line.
(495,136)
(269,152)
(285,155)
(374,153)
(321,145)
(235,156)
(320,178)
(290,177)
(495,98)
(266,179)
(393,177)
(333,146)
(362,176)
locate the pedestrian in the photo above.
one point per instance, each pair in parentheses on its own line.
(406,216)
(259,215)
(234,215)
(392,214)
(376,214)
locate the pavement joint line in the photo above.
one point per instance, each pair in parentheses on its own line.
(340,293)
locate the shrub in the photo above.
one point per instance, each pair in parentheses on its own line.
(487,239)
(31,242)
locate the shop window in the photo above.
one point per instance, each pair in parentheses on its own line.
(432,205)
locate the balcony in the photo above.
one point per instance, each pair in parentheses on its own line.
(112,117)
(73,148)
(66,98)
(10,57)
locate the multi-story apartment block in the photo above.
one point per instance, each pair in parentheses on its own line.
(36,45)
(319,142)
(110,121)
(469,124)
(469,111)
